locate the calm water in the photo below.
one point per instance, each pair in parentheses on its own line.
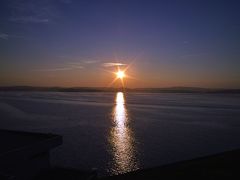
(117,132)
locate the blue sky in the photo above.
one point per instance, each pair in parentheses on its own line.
(76,43)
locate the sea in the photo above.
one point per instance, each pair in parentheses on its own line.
(120,132)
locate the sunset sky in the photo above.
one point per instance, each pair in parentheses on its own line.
(78,43)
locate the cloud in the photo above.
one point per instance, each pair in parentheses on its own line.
(111,64)
(4,36)
(91,61)
(53,69)
(78,60)
(67,67)
(75,65)
(29,19)
(81,61)
(32,11)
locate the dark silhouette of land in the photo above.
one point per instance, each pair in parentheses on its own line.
(106,89)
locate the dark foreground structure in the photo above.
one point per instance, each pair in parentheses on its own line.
(25,156)
(220,166)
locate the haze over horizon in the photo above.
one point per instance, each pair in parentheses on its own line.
(70,43)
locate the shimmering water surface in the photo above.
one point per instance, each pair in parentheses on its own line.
(122,132)
(122,139)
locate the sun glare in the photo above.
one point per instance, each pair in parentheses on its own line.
(120,74)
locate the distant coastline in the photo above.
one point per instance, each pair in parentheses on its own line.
(105,89)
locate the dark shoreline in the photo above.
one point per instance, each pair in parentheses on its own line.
(104,89)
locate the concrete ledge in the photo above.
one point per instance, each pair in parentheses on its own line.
(224,165)
(23,155)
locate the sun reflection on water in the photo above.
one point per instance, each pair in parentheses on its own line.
(122,139)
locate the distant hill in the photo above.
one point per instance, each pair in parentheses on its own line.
(104,89)
(187,90)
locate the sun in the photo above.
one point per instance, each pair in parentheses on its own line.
(120,74)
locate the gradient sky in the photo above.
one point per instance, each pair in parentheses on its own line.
(76,43)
